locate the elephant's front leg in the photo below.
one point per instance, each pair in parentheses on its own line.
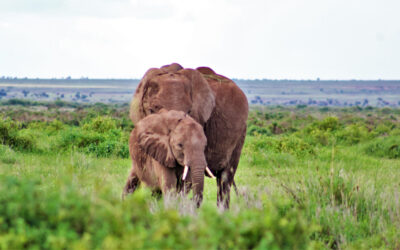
(224,182)
(183,186)
(167,178)
(187,186)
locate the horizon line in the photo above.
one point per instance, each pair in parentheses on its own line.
(68,78)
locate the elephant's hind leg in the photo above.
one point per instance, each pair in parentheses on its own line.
(224,182)
(226,177)
(234,162)
(131,185)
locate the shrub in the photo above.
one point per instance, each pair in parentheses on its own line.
(328,124)
(321,137)
(20,102)
(37,125)
(353,134)
(55,126)
(8,129)
(386,147)
(285,144)
(100,124)
(301,106)
(79,138)
(320,132)
(395,132)
(294,145)
(7,155)
(11,136)
(256,130)
(111,143)
(25,140)
(65,217)
(382,129)
(276,128)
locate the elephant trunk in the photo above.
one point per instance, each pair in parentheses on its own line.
(195,163)
(197,174)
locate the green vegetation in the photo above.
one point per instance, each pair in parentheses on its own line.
(308,178)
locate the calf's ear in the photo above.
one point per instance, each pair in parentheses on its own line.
(157,146)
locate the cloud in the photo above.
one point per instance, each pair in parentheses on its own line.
(141,9)
(244,39)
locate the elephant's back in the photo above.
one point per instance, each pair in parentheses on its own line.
(229,98)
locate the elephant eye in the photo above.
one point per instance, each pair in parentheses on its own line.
(154,109)
(180,145)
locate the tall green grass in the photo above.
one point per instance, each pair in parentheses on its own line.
(308,179)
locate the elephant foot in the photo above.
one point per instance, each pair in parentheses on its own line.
(131,185)
(156,194)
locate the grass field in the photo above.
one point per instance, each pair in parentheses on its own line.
(308,178)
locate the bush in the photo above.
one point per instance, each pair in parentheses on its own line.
(321,132)
(353,134)
(110,143)
(65,217)
(327,124)
(11,136)
(256,130)
(321,137)
(79,138)
(386,147)
(8,129)
(294,145)
(55,126)
(286,144)
(24,140)
(109,148)
(382,129)
(101,124)
(7,155)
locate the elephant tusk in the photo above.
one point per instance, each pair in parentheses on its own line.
(185,172)
(209,172)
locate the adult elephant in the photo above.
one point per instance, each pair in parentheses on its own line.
(213,100)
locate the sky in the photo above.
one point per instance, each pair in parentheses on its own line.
(246,39)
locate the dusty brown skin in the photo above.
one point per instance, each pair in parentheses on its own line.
(160,145)
(214,101)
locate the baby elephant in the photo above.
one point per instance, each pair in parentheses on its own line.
(167,151)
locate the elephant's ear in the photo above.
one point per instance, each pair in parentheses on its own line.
(157,146)
(172,68)
(202,96)
(206,70)
(136,111)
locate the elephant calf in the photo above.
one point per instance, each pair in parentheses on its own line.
(167,151)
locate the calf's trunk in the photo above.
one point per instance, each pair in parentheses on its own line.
(197,174)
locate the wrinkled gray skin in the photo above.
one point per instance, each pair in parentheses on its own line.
(214,101)
(160,146)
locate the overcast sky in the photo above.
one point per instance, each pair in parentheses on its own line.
(275,39)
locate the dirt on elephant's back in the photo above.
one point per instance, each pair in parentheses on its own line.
(217,78)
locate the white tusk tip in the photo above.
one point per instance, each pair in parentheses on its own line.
(209,172)
(185,172)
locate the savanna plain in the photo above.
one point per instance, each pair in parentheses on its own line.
(308,178)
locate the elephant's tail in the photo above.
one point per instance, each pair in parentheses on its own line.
(236,189)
